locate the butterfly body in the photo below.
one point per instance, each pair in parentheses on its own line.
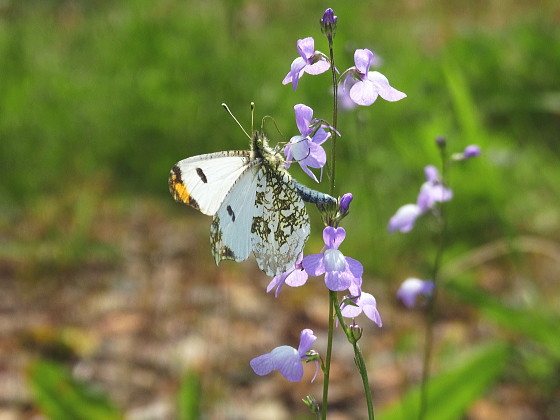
(255,203)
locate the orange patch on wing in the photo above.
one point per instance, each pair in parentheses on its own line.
(178,189)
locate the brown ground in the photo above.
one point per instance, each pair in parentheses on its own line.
(135,321)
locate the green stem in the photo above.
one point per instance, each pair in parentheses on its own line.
(359,360)
(334,121)
(333,303)
(361,364)
(333,298)
(430,323)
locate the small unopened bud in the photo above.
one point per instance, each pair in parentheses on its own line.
(312,404)
(356,331)
(471,151)
(344,204)
(441,142)
(328,24)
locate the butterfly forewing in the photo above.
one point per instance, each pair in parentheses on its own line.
(204,181)
(230,232)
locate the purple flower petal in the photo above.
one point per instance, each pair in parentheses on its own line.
(314,264)
(404,218)
(363,93)
(430,194)
(263,365)
(291,369)
(299,147)
(382,87)
(351,311)
(320,136)
(306,340)
(304,114)
(355,288)
(335,281)
(355,267)
(294,277)
(296,71)
(431,173)
(334,260)
(318,67)
(333,237)
(364,303)
(369,306)
(317,156)
(362,60)
(306,48)
(297,278)
(285,358)
(411,288)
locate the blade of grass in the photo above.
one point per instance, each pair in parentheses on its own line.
(451,393)
(59,396)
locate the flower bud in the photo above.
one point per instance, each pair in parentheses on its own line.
(471,151)
(441,142)
(344,203)
(356,331)
(328,24)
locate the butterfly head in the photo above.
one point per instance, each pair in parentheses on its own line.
(261,150)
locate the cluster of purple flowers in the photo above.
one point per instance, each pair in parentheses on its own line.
(341,273)
(432,192)
(358,82)
(362,87)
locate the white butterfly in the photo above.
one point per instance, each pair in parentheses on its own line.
(256,204)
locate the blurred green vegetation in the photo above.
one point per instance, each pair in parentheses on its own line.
(112,94)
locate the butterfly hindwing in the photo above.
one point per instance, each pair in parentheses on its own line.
(281,225)
(203,181)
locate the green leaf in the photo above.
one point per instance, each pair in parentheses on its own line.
(543,328)
(59,396)
(450,393)
(189,397)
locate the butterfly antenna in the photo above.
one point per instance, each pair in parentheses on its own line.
(252,116)
(236,120)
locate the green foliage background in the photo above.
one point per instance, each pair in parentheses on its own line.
(115,93)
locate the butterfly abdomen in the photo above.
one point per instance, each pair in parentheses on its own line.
(312,196)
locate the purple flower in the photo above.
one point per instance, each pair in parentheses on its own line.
(310,61)
(413,287)
(364,303)
(370,84)
(287,359)
(431,192)
(305,149)
(404,218)
(340,272)
(294,277)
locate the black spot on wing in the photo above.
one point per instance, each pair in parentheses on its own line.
(228,254)
(202,175)
(175,174)
(231,213)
